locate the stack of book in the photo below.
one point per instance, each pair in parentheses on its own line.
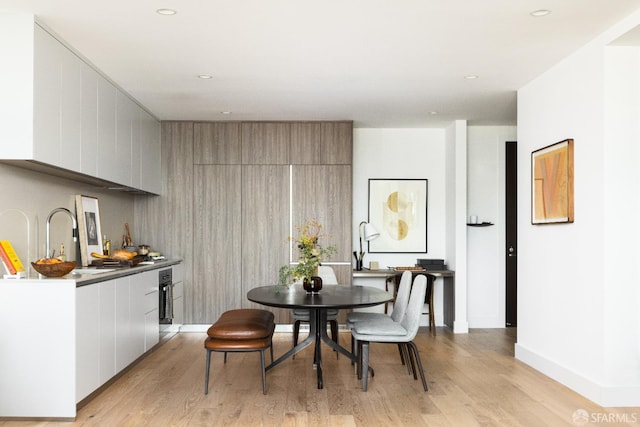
(10,259)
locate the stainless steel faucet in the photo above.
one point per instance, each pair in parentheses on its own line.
(74,231)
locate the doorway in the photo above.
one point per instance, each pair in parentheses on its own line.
(511,234)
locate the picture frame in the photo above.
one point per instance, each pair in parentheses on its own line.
(88,216)
(552,184)
(398,210)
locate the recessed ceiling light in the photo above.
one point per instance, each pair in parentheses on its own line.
(540,12)
(471,77)
(166,11)
(226,113)
(433,113)
(205,76)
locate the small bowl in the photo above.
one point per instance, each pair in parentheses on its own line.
(54,270)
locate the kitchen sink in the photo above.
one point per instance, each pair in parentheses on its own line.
(91,270)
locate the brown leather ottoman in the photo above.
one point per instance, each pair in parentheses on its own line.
(241,330)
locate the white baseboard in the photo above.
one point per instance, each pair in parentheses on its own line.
(603,395)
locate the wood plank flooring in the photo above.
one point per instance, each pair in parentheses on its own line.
(473,380)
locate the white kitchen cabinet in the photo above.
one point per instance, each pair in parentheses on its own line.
(107,157)
(146,310)
(126,117)
(107,330)
(60,115)
(89,120)
(93,331)
(149,172)
(177,278)
(87,340)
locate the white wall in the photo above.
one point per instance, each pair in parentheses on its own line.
(578,297)
(438,155)
(402,153)
(486,245)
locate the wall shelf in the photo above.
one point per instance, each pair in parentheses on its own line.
(482,224)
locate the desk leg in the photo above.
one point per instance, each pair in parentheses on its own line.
(449,303)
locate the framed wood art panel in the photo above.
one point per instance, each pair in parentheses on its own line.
(398,210)
(552,183)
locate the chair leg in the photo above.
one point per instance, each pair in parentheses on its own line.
(365,364)
(414,350)
(264,372)
(206,373)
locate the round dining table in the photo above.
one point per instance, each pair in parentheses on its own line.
(329,297)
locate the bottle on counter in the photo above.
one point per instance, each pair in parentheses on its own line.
(106,246)
(62,257)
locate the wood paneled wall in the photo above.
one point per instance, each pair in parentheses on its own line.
(226,203)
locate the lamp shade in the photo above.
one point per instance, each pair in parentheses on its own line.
(370,232)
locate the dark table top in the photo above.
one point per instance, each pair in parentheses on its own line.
(330,296)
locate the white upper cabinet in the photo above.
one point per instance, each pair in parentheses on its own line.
(58,111)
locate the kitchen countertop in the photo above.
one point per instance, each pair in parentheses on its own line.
(101,274)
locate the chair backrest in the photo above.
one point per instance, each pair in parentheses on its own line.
(328,275)
(402,297)
(411,320)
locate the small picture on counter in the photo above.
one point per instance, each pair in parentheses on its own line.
(88,216)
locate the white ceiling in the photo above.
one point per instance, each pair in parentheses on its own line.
(380,63)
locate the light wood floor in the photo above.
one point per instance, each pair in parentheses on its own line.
(473,380)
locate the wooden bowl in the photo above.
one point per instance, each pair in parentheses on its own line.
(54,270)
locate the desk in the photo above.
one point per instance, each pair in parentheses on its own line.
(448,279)
(330,297)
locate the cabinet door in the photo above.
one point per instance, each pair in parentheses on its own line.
(337,143)
(217,143)
(107,158)
(124,122)
(265,143)
(323,192)
(46,98)
(217,256)
(87,340)
(89,131)
(125,338)
(107,330)
(149,171)
(178,304)
(265,228)
(306,143)
(70,110)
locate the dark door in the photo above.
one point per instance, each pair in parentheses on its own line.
(511,250)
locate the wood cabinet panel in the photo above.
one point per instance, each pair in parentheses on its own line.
(217,143)
(265,228)
(306,143)
(217,256)
(167,222)
(323,192)
(265,143)
(337,143)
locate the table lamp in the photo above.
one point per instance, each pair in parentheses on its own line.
(368,232)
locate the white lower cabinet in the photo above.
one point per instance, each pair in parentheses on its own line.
(116,322)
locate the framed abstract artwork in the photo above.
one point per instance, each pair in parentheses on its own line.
(398,210)
(88,216)
(552,183)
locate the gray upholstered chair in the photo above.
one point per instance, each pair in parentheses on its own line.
(399,308)
(387,331)
(399,305)
(300,315)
